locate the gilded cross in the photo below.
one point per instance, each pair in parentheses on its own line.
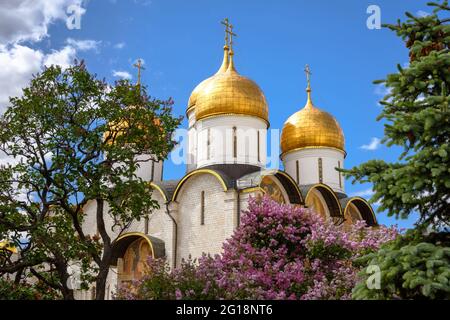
(230,32)
(308,75)
(139,65)
(226,23)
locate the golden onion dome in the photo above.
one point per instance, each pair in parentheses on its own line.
(311,127)
(193,98)
(199,88)
(228,92)
(8,246)
(122,126)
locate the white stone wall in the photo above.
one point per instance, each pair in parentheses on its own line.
(192,142)
(309,166)
(149,170)
(220,216)
(244,197)
(90,220)
(159,226)
(159,223)
(221,149)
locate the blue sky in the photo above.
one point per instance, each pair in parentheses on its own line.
(181,44)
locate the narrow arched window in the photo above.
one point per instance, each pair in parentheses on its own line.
(339,173)
(208,144)
(153,170)
(234,142)
(146,222)
(259,158)
(202,208)
(320,171)
(297,171)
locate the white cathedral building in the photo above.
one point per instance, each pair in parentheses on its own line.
(228,119)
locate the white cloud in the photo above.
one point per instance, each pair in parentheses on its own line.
(421,97)
(366,194)
(17,65)
(66,56)
(363,193)
(83,45)
(29,20)
(373,145)
(6,160)
(122,74)
(381,90)
(423,14)
(143,2)
(119,45)
(63,57)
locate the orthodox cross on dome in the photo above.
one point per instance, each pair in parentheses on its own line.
(226,23)
(308,89)
(230,32)
(140,66)
(308,75)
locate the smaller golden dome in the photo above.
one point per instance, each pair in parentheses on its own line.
(311,127)
(122,126)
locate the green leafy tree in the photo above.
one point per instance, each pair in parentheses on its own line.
(76,140)
(411,267)
(417,264)
(10,290)
(418,119)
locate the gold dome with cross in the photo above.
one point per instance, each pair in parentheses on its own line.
(311,127)
(227,92)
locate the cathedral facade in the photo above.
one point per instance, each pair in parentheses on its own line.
(228,119)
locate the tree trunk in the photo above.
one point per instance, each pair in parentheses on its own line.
(67,294)
(101,283)
(18,276)
(65,290)
(107,253)
(61,267)
(61,286)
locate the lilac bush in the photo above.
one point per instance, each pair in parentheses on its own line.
(278,252)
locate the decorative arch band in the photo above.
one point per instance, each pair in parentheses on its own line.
(121,244)
(364,208)
(158,188)
(330,198)
(291,187)
(197,172)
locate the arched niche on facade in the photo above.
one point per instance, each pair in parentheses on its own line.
(131,252)
(273,188)
(278,184)
(358,207)
(322,199)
